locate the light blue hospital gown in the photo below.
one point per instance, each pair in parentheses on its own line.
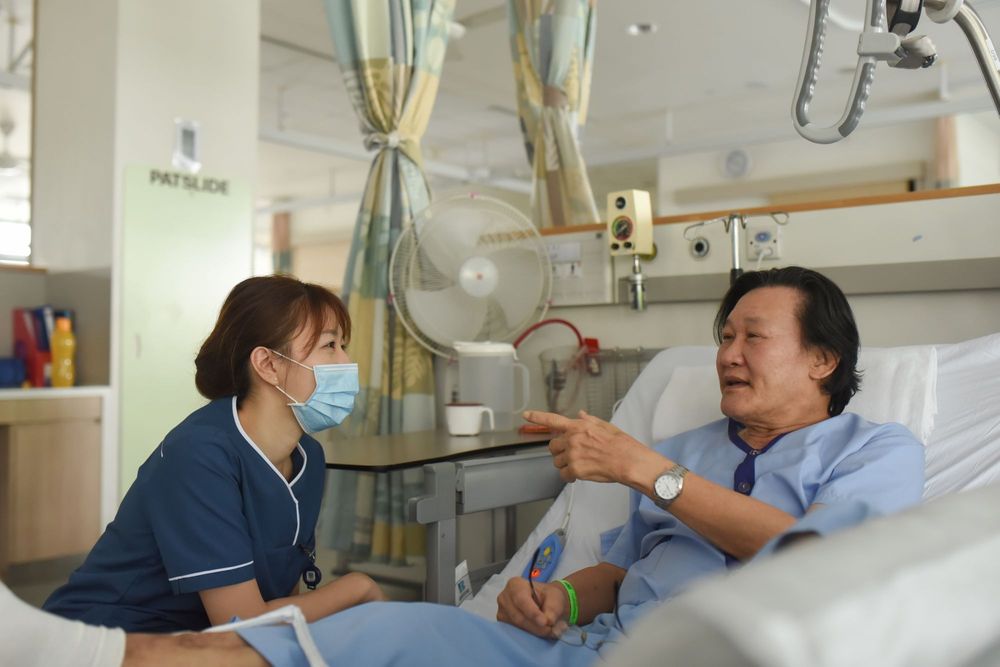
(844,459)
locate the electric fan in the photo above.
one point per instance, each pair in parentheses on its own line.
(469,268)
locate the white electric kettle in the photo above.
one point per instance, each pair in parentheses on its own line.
(486,375)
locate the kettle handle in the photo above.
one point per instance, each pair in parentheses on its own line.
(525,385)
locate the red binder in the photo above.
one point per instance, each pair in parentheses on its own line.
(27,347)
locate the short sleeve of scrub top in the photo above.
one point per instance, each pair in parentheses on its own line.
(195,510)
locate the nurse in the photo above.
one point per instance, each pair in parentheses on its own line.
(221,519)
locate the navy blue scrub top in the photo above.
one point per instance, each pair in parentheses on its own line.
(207,509)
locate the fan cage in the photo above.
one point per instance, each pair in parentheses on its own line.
(507,228)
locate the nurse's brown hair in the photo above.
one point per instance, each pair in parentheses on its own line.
(265,311)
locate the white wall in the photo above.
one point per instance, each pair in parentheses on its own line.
(792,162)
(192,60)
(978,142)
(74,134)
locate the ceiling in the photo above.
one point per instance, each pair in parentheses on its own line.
(716,74)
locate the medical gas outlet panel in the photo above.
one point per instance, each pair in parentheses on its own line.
(763,240)
(630,223)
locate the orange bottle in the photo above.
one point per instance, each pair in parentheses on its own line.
(63,346)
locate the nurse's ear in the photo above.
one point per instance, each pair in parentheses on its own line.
(265,365)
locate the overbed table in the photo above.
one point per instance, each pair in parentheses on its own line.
(462,475)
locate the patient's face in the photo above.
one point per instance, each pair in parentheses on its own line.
(765,372)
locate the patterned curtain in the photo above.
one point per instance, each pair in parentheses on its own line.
(552,44)
(390,54)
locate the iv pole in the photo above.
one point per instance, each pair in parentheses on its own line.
(734,225)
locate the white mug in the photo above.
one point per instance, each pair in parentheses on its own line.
(466,418)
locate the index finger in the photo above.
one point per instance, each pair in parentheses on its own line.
(549,419)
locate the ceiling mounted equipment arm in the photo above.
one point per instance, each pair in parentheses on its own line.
(886,36)
(874,35)
(975,31)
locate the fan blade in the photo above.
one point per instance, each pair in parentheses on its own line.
(520,289)
(495,325)
(452,236)
(446,315)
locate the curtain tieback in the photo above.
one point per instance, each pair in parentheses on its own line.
(554,97)
(408,145)
(379,140)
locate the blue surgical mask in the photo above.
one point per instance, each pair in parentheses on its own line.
(332,400)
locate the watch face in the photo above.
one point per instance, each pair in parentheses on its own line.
(667,486)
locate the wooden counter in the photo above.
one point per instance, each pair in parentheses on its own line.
(50,474)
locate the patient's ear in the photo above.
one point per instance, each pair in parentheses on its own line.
(823,363)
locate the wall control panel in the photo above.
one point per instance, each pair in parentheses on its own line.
(630,223)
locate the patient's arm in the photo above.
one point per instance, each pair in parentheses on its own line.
(737,524)
(244,599)
(546,614)
(592,449)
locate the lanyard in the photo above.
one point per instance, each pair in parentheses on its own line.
(311,575)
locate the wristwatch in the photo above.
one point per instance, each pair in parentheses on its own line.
(669,485)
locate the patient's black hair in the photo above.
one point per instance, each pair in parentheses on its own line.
(825,318)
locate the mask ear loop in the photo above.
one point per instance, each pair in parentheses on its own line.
(287,395)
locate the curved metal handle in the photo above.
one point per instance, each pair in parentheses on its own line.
(525,386)
(986,54)
(864,73)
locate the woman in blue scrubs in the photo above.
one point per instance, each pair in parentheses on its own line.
(221,519)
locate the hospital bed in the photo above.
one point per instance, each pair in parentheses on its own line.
(947,395)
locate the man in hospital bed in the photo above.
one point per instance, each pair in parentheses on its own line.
(702,500)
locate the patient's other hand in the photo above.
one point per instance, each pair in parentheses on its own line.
(516,606)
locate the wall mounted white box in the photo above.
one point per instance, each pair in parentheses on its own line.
(761,235)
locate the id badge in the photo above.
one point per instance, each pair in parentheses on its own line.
(311,575)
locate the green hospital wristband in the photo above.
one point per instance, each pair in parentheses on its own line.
(574,607)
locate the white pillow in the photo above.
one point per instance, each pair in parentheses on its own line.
(964,450)
(899,385)
(691,399)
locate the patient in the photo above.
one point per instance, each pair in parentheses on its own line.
(702,501)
